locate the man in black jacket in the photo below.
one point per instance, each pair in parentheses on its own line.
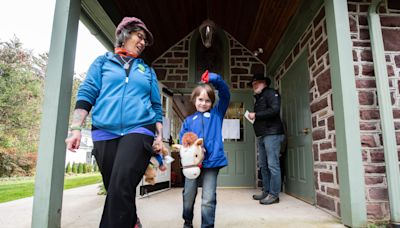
(270,134)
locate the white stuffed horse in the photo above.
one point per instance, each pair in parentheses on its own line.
(191,153)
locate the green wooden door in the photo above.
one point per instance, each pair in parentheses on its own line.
(241,169)
(299,178)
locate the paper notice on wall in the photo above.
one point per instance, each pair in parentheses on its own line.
(231,129)
(246,114)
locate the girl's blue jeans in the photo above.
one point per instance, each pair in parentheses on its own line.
(208,178)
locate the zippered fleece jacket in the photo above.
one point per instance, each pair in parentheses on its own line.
(121,102)
(208,125)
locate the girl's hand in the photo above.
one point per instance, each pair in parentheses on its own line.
(205,77)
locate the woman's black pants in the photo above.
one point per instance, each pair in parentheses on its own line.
(122,163)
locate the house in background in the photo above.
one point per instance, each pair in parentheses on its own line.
(336,64)
(84,153)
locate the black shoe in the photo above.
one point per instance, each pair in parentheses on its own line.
(260,196)
(270,200)
(187,224)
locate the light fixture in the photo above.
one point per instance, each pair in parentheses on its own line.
(207,29)
(258,51)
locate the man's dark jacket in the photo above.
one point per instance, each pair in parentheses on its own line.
(267,109)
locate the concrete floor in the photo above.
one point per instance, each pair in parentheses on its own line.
(82,208)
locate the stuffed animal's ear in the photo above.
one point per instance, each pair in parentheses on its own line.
(176,146)
(199,142)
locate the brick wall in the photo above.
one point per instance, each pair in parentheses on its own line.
(314,40)
(172,67)
(371,134)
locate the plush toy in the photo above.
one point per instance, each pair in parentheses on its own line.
(157,161)
(191,153)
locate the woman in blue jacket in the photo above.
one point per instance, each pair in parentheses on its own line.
(122,93)
(206,122)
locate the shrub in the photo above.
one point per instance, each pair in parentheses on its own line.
(12,164)
(84,168)
(95,167)
(80,167)
(89,168)
(68,169)
(74,167)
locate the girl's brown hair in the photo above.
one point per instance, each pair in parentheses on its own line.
(197,90)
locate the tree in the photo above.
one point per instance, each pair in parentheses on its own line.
(21,94)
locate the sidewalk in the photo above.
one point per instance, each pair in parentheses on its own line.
(82,208)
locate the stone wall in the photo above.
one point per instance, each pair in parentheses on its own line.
(172,67)
(314,40)
(371,133)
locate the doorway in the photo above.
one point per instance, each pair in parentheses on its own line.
(241,169)
(299,178)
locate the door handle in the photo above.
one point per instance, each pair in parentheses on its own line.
(305,131)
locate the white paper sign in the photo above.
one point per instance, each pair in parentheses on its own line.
(231,129)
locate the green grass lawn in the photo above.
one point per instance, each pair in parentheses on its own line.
(12,189)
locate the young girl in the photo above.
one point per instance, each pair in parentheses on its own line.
(207,124)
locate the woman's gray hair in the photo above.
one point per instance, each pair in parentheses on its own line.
(125,34)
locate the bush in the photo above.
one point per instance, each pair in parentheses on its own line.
(12,164)
(84,168)
(95,167)
(68,169)
(74,167)
(89,168)
(80,167)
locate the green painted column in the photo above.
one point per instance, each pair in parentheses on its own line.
(345,106)
(49,180)
(386,112)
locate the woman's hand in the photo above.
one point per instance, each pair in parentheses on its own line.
(73,142)
(158,145)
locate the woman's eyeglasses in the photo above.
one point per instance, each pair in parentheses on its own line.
(142,37)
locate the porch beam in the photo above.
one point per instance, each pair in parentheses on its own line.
(385,111)
(345,106)
(49,178)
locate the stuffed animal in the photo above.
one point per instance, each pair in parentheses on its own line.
(157,162)
(191,153)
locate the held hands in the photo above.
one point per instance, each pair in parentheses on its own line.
(158,145)
(73,142)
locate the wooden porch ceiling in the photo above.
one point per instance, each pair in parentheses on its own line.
(254,23)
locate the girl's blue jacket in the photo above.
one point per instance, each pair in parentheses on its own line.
(208,125)
(121,102)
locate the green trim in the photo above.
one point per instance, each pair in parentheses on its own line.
(385,110)
(297,26)
(98,22)
(47,202)
(345,106)
(192,56)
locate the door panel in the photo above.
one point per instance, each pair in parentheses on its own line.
(299,180)
(241,169)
